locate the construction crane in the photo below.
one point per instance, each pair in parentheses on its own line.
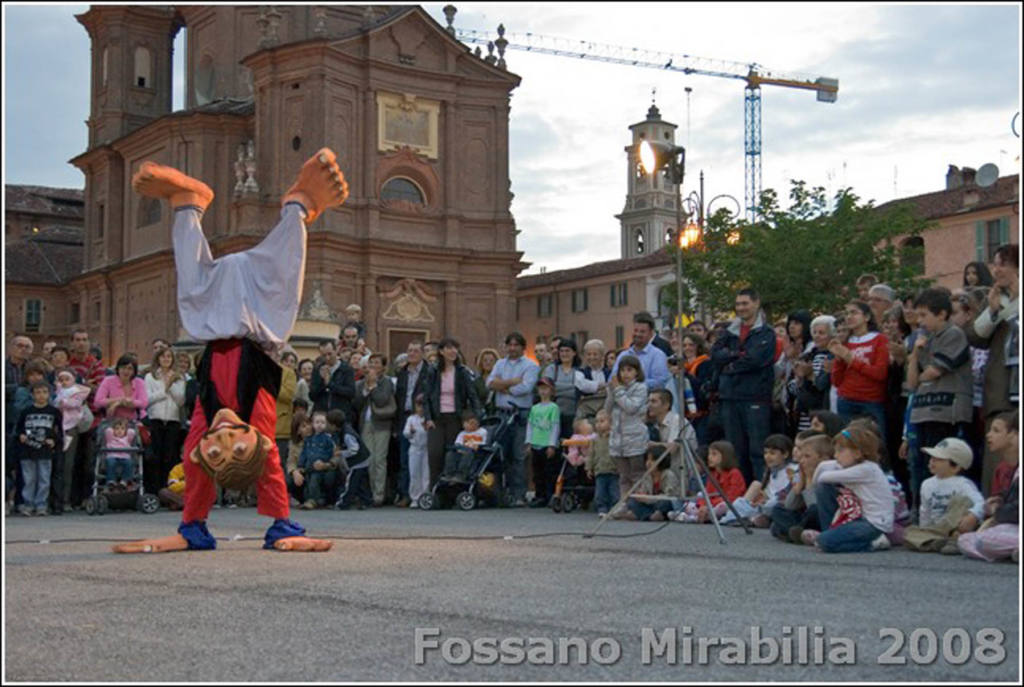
(753,74)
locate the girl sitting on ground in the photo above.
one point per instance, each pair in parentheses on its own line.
(866,511)
(723,466)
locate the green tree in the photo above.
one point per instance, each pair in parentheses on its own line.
(805,257)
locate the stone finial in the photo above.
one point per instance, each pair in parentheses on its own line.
(490,59)
(478,52)
(269,21)
(240,170)
(501,44)
(250,168)
(449,16)
(320,19)
(368,16)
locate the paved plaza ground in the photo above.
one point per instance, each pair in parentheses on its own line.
(74,611)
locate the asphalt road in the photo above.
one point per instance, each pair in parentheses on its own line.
(75,611)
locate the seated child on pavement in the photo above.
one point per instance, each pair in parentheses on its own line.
(723,468)
(780,474)
(999,536)
(950,503)
(799,511)
(654,498)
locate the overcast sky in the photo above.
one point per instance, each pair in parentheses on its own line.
(920,87)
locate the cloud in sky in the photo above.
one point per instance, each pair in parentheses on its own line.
(921,87)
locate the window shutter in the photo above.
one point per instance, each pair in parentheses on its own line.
(979,242)
(1004,231)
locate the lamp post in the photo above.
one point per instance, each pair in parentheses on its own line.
(695,206)
(654,157)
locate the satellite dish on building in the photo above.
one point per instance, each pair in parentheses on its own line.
(987,175)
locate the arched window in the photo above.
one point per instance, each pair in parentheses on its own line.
(912,254)
(143,68)
(400,188)
(638,238)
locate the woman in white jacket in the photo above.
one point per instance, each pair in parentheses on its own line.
(627,405)
(165,389)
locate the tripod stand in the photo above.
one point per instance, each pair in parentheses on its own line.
(692,464)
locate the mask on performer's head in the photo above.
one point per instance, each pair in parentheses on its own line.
(232,452)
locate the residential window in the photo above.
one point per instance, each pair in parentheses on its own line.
(544,305)
(33,314)
(620,294)
(912,254)
(988,236)
(620,336)
(75,314)
(579,300)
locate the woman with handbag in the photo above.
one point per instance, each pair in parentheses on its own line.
(165,389)
(376,407)
(449,390)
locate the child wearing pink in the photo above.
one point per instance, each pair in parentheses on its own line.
(119,465)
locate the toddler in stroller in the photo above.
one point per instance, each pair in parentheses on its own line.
(473,466)
(572,487)
(117,474)
(458,461)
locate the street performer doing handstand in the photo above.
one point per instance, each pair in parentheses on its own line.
(240,304)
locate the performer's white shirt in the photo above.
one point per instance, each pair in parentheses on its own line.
(251,294)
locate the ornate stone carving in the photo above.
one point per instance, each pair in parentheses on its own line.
(405,120)
(240,170)
(316,307)
(250,168)
(408,302)
(269,21)
(320,21)
(449,16)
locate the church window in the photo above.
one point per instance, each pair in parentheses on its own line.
(149,212)
(143,68)
(400,188)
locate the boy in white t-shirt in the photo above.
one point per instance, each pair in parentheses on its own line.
(950,503)
(459,459)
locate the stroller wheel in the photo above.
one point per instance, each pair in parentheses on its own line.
(148,503)
(102,505)
(556,504)
(427,501)
(466,500)
(569,502)
(90,505)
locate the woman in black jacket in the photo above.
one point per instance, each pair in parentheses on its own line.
(449,392)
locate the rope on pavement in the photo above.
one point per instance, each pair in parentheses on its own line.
(341,537)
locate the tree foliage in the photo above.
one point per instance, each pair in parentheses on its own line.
(805,257)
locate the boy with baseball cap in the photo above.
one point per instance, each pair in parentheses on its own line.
(950,503)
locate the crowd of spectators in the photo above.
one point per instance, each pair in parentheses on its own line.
(892,421)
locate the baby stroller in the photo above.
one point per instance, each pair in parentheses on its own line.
(106,495)
(480,484)
(572,488)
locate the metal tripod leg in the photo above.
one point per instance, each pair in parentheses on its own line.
(694,461)
(625,497)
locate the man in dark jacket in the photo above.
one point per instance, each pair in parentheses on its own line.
(333,384)
(410,382)
(744,357)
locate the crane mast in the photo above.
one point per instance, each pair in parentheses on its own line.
(752,74)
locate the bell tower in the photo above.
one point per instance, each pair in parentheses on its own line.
(131,67)
(650,211)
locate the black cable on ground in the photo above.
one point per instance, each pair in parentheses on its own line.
(482,537)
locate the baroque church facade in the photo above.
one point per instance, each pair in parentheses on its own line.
(426,242)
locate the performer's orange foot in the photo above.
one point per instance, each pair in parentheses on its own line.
(175,542)
(159,181)
(320,185)
(302,544)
